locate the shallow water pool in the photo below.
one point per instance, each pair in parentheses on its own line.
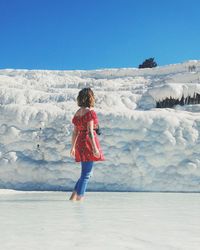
(104,220)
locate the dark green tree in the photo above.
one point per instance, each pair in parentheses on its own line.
(148,63)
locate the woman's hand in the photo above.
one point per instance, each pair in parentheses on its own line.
(72,152)
(96,152)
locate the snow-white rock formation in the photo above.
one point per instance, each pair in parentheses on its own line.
(145,148)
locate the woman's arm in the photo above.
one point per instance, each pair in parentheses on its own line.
(90,127)
(74,136)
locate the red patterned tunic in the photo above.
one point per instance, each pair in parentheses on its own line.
(83,146)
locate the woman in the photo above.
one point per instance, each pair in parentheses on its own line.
(85,143)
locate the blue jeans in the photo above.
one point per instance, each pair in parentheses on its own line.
(82,182)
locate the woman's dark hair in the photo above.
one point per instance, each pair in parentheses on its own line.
(86,98)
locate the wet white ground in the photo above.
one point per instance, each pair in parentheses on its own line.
(104,220)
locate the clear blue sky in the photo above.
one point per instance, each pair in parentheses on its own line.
(91,34)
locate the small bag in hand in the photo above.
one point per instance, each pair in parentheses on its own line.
(98,130)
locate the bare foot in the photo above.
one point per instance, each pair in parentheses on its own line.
(73,196)
(80,198)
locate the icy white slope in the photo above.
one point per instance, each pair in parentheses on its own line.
(145,148)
